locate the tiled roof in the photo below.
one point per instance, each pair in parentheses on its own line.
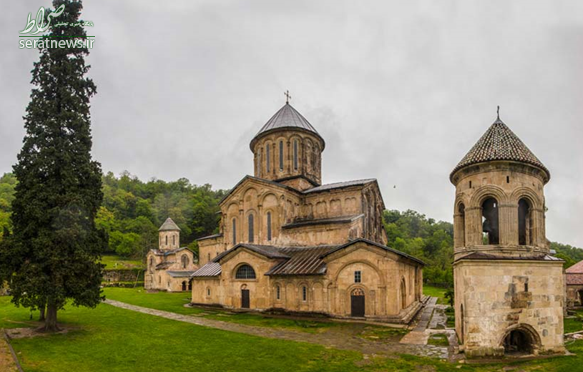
(169,225)
(208,270)
(574,279)
(322,221)
(286,117)
(164,265)
(575,269)
(302,261)
(169,252)
(499,143)
(277,184)
(339,185)
(180,274)
(487,256)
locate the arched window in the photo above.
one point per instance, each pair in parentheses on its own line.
(462,227)
(209,257)
(184,261)
(278,292)
(267,158)
(159,280)
(295,154)
(208,291)
(174,240)
(184,286)
(280,155)
(524,223)
(304,293)
(268,226)
(245,272)
(234,228)
(403,294)
(166,239)
(151,264)
(251,228)
(490,226)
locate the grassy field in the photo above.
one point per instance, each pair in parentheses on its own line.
(113,339)
(435,292)
(175,302)
(116,262)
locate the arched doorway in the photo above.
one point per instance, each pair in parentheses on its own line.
(244,297)
(403,294)
(357,303)
(520,341)
(183,286)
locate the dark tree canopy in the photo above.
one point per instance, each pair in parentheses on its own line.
(51,256)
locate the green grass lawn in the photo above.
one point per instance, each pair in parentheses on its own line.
(174,302)
(116,262)
(435,292)
(113,339)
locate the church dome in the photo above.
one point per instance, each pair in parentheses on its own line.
(286,118)
(499,143)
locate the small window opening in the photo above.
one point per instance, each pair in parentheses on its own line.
(268,226)
(524,223)
(166,239)
(296,155)
(251,228)
(280,155)
(357,277)
(278,292)
(174,240)
(507,179)
(526,287)
(208,291)
(470,184)
(267,159)
(304,293)
(234,228)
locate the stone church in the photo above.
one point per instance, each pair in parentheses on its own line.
(509,289)
(289,242)
(169,267)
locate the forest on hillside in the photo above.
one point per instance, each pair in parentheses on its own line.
(133,210)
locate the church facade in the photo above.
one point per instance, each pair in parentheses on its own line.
(169,267)
(509,289)
(289,242)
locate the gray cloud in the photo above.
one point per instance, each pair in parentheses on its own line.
(399,90)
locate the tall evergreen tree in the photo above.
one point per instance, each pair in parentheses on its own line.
(51,257)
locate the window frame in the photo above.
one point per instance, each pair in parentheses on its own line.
(296,155)
(245,272)
(251,228)
(281,155)
(269,232)
(358,276)
(304,293)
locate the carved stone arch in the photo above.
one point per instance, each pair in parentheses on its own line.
(365,262)
(266,195)
(526,193)
(485,192)
(460,198)
(527,329)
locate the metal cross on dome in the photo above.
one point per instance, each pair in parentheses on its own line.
(287,96)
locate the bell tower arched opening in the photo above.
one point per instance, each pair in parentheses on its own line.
(524,223)
(490,226)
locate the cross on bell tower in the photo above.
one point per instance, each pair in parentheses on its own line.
(287,97)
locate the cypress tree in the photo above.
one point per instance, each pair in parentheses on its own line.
(52,256)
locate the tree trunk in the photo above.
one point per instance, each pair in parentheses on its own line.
(41,318)
(51,319)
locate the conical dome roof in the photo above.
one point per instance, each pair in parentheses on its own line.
(169,225)
(286,118)
(499,143)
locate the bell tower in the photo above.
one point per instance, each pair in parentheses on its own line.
(507,285)
(169,234)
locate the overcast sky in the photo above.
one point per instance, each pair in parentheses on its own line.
(400,90)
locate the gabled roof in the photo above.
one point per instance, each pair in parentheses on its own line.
(339,185)
(169,225)
(264,250)
(158,252)
(277,184)
(575,269)
(499,143)
(209,237)
(381,246)
(287,118)
(487,256)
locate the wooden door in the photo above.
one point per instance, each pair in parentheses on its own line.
(245,298)
(357,303)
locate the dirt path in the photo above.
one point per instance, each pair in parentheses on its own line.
(6,361)
(336,338)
